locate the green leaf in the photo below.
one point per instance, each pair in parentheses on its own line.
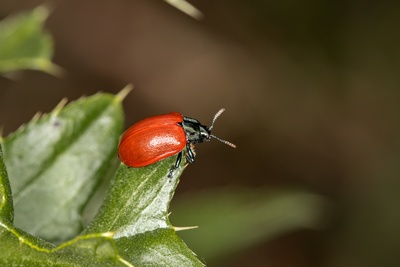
(56,162)
(136,210)
(25,45)
(231,220)
(17,248)
(6,204)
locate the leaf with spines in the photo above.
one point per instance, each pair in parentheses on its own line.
(55,163)
(136,210)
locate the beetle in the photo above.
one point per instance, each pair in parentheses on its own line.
(159,137)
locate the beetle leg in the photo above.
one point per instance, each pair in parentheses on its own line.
(190,154)
(177,163)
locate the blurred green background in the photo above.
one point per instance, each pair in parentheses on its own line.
(312,95)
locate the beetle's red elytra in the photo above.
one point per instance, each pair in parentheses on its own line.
(159,137)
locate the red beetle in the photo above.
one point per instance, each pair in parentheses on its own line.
(162,136)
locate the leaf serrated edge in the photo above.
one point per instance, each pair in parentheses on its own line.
(59,107)
(52,114)
(184,228)
(120,96)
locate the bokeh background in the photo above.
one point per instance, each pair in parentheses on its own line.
(311,90)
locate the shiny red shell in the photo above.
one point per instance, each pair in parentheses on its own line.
(152,139)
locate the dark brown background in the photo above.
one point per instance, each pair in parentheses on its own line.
(311,90)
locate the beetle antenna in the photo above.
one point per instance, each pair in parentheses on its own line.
(212,125)
(215,117)
(224,141)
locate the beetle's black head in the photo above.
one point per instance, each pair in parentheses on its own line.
(195,131)
(198,133)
